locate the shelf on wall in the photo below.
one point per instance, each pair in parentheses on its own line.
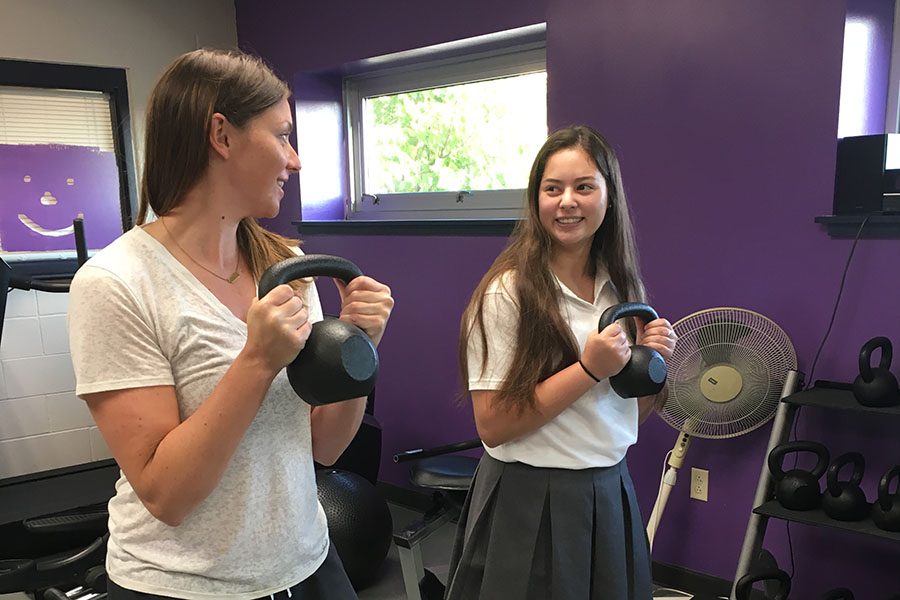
(879,227)
(468,227)
(836,399)
(818,517)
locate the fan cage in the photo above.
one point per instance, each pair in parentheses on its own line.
(750,343)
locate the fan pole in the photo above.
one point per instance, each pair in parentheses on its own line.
(676,461)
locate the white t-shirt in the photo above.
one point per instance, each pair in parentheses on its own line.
(595,430)
(138,317)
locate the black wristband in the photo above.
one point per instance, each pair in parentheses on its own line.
(594,377)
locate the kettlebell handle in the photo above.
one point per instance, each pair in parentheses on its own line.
(884,497)
(308,265)
(612,314)
(776,457)
(865,356)
(859,467)
(744,585)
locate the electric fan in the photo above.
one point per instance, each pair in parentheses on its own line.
(725,379)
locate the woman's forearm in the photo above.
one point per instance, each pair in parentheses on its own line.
(333,428)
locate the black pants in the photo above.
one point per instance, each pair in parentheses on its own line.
(329,582)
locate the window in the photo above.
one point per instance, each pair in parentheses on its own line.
(65,152)
(447,138)
(892,117)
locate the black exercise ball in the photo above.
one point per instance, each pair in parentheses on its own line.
(359,523)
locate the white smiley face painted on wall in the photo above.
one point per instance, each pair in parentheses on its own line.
(43,188)
(47,199)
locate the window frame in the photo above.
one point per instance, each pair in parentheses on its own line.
(518,59)
(113,82)
(892,118)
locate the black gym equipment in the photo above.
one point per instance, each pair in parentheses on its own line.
(744,588)
(359,523)
(92,587)
(449,478)
(645,374)
(886,510)
(798,489)
(60,548)
(876,386)
(845,500)
(339,361)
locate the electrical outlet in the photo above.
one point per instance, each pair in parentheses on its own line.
(699,484)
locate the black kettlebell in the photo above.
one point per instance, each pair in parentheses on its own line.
(886,510)
(744,587)
(876,386)
(339,361)
(845,500)
(645,374)
(798,489)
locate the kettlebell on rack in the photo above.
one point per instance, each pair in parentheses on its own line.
(339,361)
(876,386)
(845,500)
(798,489)
(645,374)
(886,510)
(744,587)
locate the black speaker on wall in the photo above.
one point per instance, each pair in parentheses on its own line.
(867,175)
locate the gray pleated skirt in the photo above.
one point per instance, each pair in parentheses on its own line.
(529,533)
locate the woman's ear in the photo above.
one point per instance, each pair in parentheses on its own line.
(219,132)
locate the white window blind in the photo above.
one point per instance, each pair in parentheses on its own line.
(47,116)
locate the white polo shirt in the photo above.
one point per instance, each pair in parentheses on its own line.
(595,430)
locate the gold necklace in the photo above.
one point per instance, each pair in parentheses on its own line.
(229,279)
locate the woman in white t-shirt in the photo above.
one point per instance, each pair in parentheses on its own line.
(182,366)
(552,510)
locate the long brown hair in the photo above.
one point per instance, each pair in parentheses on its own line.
(544,341)
(176,150)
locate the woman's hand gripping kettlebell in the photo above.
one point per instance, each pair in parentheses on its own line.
(657,334)
(367,304)
(277,327)
(606,352)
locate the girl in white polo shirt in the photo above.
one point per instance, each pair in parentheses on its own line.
(552,510)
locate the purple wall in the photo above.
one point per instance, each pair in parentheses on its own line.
(725,116)
(44,187)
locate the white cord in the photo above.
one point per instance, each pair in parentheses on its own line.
(662,476)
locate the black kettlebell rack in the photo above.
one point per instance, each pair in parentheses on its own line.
(825,395)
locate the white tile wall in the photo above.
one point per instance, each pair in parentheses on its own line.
(38,375)
(23,417)
(67,411)
(21,304)
(41,452)
(43,425)
(54,334)
(21,338)
(52,304)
